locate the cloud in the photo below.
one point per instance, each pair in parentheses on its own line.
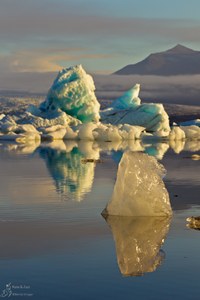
(26,26)
(45,59)
(32,19)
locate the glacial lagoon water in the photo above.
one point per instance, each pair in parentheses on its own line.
(56,245)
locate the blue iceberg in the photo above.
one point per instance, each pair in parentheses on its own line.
(73,92)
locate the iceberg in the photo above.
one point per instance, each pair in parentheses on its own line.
(129,110)
(72,104)
(129,99)
(73,93)
(138,242)
(139,189)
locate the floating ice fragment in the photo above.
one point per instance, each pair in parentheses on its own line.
(139,189)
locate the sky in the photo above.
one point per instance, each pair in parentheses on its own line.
(104,36)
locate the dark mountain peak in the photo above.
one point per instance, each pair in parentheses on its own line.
(178,60)
(180,49)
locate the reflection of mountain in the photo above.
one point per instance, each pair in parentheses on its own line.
(73,178)
(139,189)
(138,241)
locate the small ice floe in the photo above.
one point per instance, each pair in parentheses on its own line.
(195,157)
(193,222)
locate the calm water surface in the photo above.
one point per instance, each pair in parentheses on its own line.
(56,245)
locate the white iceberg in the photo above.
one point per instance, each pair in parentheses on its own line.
(40,118)
(73,93)
(11,131)
(139,189)
(138,242)
(108,132)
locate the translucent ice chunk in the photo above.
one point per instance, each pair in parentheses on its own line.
(139,189)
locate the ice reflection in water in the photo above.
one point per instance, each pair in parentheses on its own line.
(156,148)
(72,176)
(65,160)
(138,241)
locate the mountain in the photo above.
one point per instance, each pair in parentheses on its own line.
(178,60)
